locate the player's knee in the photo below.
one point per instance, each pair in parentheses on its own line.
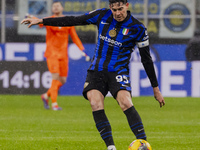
(125,104)
(124,100)
(95,105)
(96,101)
(55,76)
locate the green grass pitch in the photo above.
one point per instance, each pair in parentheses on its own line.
(26,125)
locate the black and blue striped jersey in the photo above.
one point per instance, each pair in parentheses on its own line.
(116,40)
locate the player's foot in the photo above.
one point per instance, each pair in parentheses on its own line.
(56,107)
(111,147)
(45,101)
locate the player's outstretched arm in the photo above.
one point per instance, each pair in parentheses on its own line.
(31,22)
(158,96)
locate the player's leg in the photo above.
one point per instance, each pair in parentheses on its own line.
(52,91)
(54,68)
(52,65)
(55,86)
(95,90)
(45,100)
(134,120)
(119,86)
(59,80)
(62,79)
(96,100)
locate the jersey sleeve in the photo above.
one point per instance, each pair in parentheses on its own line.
(88,18)
(142,43)
(148,65)
(75,38)
(142,39)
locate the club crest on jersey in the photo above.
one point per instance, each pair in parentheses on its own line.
(112,33)
(125,31)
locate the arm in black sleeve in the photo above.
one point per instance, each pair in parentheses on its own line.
(66,21)
(148,65)
(88,18)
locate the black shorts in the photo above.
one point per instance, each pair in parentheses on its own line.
(106,81)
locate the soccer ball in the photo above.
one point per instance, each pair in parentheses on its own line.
(139,144)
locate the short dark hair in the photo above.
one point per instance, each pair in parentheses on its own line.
(117,1)
(57,1)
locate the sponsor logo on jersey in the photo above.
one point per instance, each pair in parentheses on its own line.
(104,22)
(109,40)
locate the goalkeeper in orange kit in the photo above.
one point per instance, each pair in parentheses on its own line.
(57,55)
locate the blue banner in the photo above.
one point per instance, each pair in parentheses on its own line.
(34,52)
(176,76)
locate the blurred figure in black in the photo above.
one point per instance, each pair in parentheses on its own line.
(192,52)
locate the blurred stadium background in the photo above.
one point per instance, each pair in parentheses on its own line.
(23,72)
(170,25)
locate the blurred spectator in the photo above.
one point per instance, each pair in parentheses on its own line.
(193,48)
(57,55)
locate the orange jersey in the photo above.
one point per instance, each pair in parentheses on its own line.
(57,41)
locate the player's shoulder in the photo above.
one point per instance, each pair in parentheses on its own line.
(134,22)
(99,11)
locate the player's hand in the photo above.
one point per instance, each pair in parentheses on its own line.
(31,22)
(158,96)
(87,58)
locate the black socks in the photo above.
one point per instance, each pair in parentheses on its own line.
(103,126)
(135,123)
